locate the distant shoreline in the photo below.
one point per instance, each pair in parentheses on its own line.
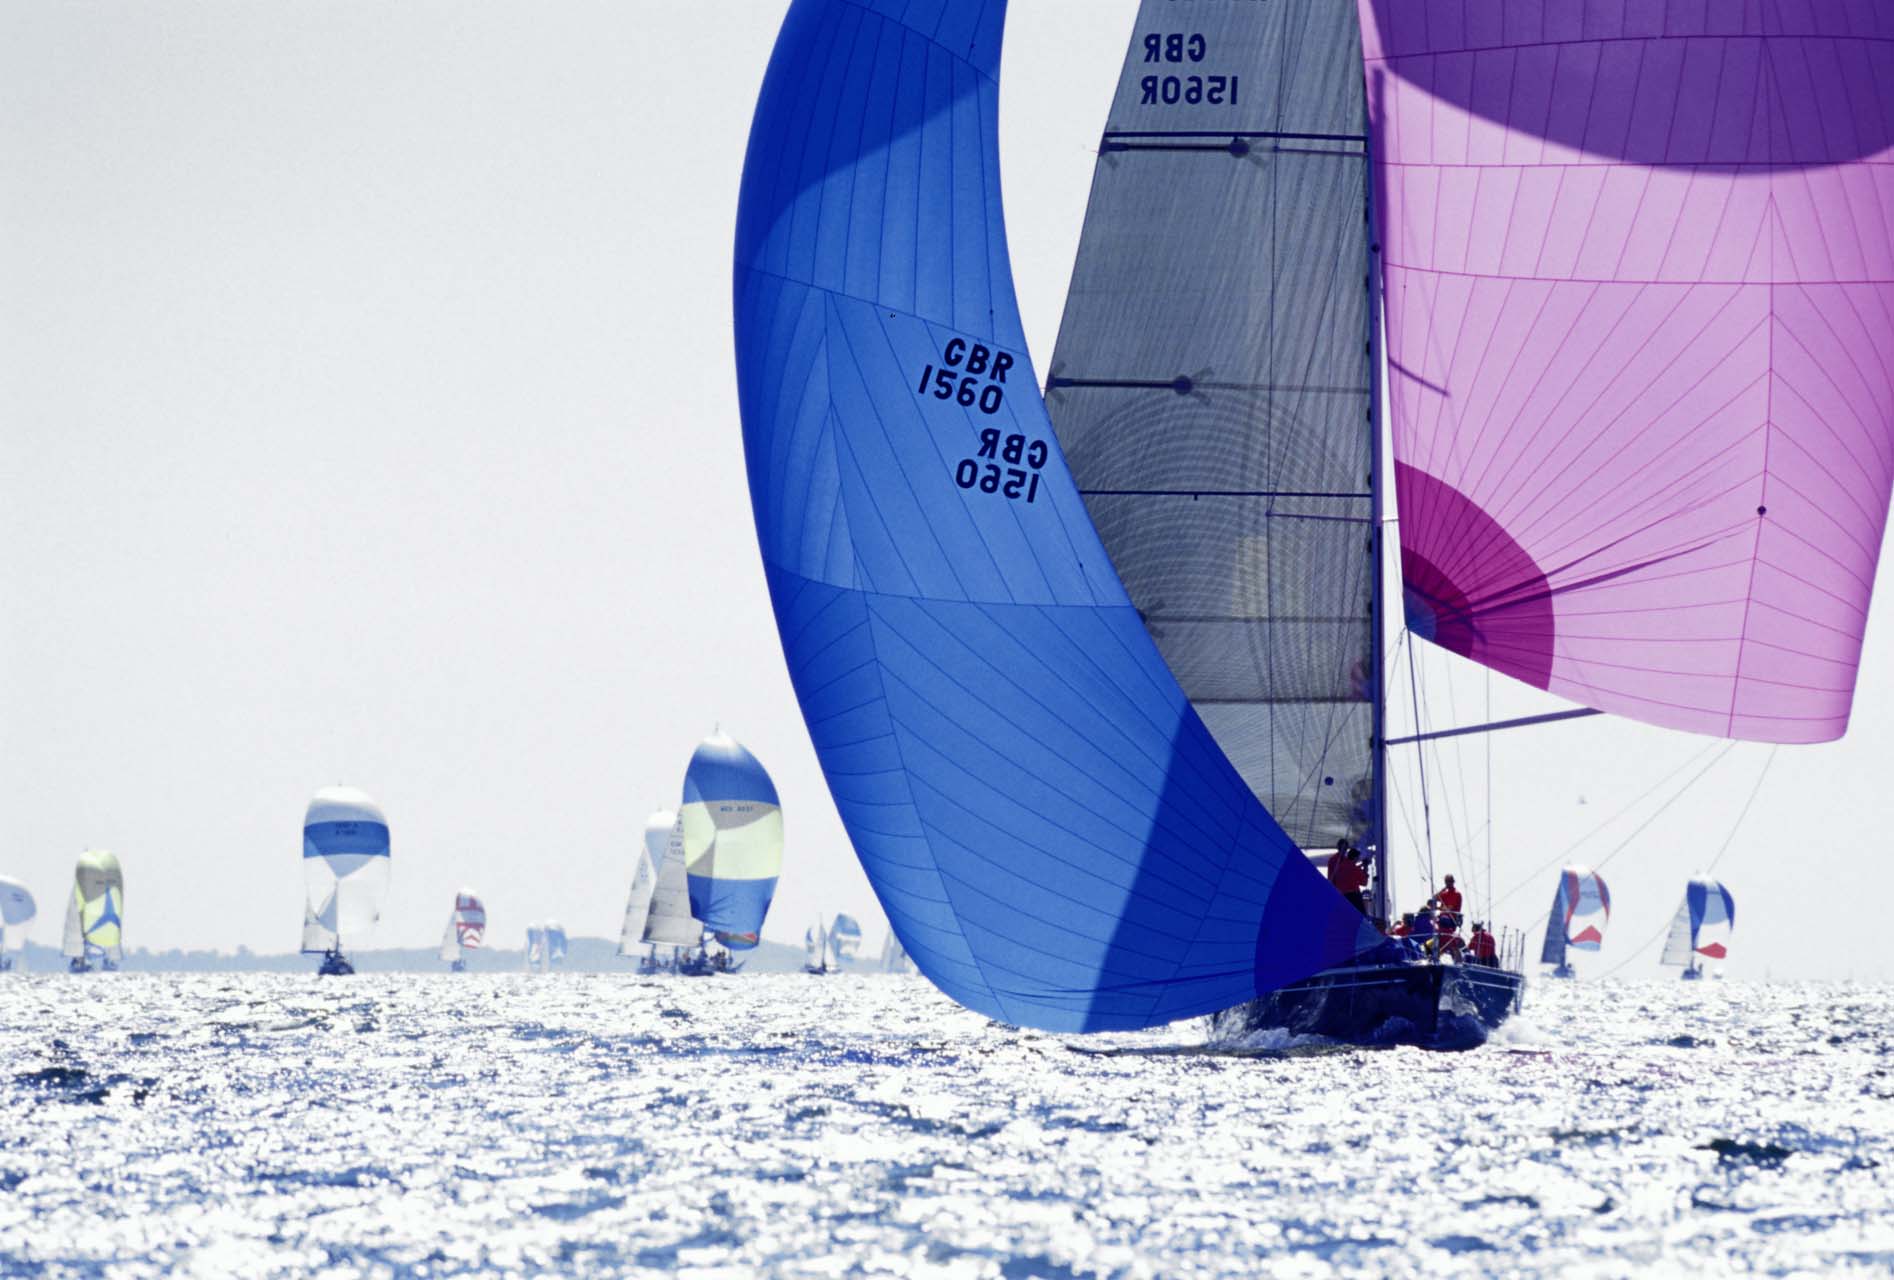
(584,955)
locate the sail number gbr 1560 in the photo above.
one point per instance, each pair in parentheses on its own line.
(973,376)
(970,374)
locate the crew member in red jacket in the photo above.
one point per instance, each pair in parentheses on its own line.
(1450,900)
(1347,874)
(1481,949)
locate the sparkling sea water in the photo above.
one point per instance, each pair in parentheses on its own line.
(433,1125)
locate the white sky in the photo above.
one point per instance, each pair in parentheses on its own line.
(367,414)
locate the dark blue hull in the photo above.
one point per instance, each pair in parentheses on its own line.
(1433,1005)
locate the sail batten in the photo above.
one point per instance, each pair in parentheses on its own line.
(1638,277)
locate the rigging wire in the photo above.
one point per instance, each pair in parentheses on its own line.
(1492,885)
(1728,841)
(1532,876)
(1460,770)
(1420,757)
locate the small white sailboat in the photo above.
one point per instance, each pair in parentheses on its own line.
(1702,928)
(644,883)
(536,947)
(345,872)
(894,956)
(669,921)
(555,945)
(466,930)
(17,910)
(94,936)
(845,940)
(1581,908)
(815,941)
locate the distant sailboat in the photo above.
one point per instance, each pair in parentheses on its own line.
(95,921)
(733,840)
(555,945)
(466,929)
(894,956)
(670,922)
(1581,908)
(346,855)
(644,882)
(535,947)
(815,945)
(845,939)
(17,910)
(1702,927)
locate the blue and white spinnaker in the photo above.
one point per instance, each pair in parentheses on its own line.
(17,910)
(1702,926)
(1581,908)
(346,854)
(733,840)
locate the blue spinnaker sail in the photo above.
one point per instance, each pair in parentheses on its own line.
(1056,837)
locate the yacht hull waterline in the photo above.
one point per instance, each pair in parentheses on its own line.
(1444,1005)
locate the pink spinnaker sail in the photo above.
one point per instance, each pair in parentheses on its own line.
(1639,282)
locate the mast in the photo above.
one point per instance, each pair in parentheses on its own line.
(1378,827)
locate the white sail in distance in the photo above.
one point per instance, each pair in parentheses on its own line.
(466,927)
(670,920)
(644,879)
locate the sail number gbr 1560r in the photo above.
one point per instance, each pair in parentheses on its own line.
(1190,90)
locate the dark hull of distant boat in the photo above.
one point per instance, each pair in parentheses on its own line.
(1433,1005)
(334,966)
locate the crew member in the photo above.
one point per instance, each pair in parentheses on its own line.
(1450,901)
(1481,948)
(1451,943)
(1347,874)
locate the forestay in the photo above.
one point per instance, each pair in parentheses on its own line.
(1638,263)
(1702,926)
(1051,827)
(1213,387)
(345,867)
(733,840)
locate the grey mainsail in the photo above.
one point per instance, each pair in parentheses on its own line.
(1213,389)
